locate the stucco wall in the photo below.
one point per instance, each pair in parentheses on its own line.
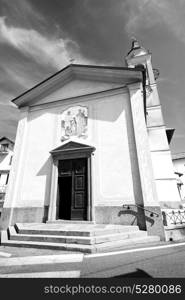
(5,160)
(109,130)
(165,180)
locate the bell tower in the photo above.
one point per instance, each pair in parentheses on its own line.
(165,180)
(139,56)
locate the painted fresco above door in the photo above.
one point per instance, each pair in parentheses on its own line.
(74,121)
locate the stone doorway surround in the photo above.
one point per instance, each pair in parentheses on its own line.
(70,150)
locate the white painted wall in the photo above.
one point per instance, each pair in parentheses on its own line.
(166,184)
(76,88)
(5,166)
(5,161)
(110,131)
(113,161)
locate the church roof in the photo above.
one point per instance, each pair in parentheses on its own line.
(123,75)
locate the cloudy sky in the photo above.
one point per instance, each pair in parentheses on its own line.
(38,38)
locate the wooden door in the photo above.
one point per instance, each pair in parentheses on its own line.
(79,192)
(73,189)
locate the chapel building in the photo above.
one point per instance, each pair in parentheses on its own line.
(92,146)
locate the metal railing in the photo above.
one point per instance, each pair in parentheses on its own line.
(152,213)
(174,217)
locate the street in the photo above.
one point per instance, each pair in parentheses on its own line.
(162,260)
(158,261)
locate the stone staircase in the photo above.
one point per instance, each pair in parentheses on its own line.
(75,236)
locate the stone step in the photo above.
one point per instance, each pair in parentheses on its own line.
(59,274)
(42,263)
(75,239)
(89,238)
(121,245)
(60,221)
(71,230)
(48,263)
(103,247)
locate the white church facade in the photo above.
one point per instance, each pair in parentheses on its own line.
(91,146)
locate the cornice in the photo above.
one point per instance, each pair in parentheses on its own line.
(120,75)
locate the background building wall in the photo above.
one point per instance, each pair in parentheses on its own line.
(179,167)
(6,156)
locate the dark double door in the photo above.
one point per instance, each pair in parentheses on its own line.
(72,184)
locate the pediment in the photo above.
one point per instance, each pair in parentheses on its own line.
(70,148)
(77,80)
(72,89)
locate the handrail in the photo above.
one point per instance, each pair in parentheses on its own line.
(152,213)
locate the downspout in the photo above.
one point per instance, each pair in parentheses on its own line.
(143,70)
(144,92)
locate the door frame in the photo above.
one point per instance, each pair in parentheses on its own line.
(70,150)
(73,175)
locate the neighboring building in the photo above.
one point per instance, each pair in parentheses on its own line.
(90,140)
(179,169)
(6,155)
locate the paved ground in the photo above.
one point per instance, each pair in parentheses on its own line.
(21,251)
(164,260)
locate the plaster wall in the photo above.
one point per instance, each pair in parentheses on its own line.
(162,165)
(166,185)
(73,89)
(109,130)
(154,116)
(157,139)
(5,161)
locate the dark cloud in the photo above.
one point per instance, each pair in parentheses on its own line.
(20,72)
(99,31)
(97,26)
(21,13)
(8,121)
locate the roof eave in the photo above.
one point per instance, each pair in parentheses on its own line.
(109,73)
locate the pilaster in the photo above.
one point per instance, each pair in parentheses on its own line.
(53,192)
(15,178)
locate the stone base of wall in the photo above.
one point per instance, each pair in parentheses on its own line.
(22,215)
(154,223)
(131,215)
(175,233)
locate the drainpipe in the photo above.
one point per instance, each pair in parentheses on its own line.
(143,70)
